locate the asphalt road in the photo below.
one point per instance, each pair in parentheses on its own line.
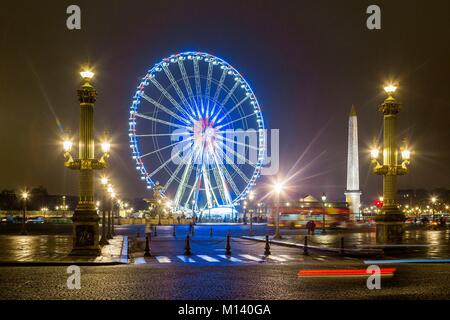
(210,275)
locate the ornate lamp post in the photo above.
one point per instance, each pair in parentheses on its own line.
(24,196)
(324,198)
(104,239)
(390,221)
(85,218)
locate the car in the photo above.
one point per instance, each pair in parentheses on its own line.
(37,220)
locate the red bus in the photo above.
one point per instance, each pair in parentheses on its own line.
(337,214)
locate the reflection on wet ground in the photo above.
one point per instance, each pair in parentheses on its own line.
(418,242)
(45,248)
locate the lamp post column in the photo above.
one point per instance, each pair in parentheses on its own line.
(390,221)
(85,219)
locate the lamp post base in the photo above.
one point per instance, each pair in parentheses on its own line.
(85,233)
(390,228)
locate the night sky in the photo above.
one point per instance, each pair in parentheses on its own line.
(307,62)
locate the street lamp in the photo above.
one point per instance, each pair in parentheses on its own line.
(390,221)
(85,218)
(104,184)
(324,198)
(251,197)
(24,196)
(433,207)
(110,191)
(113,206)
(277,188)
(244,217)
(193,211)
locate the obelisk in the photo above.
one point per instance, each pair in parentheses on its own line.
(353,194)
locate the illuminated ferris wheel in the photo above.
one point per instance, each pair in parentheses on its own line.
(196,128)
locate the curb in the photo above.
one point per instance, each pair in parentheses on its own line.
(346,252)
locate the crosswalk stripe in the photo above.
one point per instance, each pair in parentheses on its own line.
(279,259)
(250,257)
(186,259)
(232,259)
(139,260)
(287,257)
(207,258)
(163,259)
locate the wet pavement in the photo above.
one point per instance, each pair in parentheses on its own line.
(44,249)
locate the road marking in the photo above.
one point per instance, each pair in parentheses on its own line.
(287,257)
(163,259)
(250,257)
(279,259)
(407,261)
(186,259)
(232,259)
(207,258)
(139,260)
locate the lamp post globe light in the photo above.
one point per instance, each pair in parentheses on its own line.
(324,198)
(390,220)
(85,218)
(24,197)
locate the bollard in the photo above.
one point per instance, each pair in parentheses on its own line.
(174,232)
(147,248)
(187,247)
(155,233)
(149,236)
(210,232)
(267,247)
(342,245)
(193,231)
(305,246)
(228,247)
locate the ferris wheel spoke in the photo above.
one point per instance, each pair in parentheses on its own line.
(164,134)
(238,155)
(163,108)
(236,120)
(167,162)
(161,121)
(237,142)
(226,193)
(219,88)
(177,89)
(236,84)
(208,85)
(230,179)
(184,178)
(208,186)
(177,170)
(171,99)
(233,108)
(198,84)
(187,85)
(167,147)
(235,167)
(219,184)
